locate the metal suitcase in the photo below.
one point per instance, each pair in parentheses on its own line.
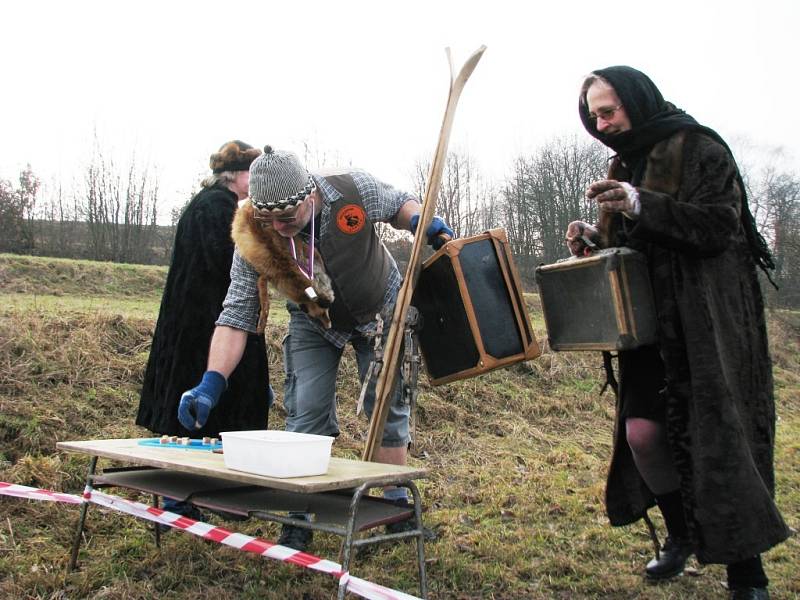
(473,311)
(602,302)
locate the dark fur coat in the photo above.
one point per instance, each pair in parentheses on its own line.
(712,335)
(197,282)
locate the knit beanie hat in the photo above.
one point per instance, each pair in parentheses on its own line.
(233,156)
(278,181)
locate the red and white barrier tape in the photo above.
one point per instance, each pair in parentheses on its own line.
(23,491)
(361,587)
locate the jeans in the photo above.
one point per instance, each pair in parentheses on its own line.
(311,363)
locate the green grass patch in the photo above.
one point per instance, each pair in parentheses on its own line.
(43,275)
(142,308)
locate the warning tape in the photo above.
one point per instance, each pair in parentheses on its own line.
(23,491)
(361,587)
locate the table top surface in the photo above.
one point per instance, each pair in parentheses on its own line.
(342,473)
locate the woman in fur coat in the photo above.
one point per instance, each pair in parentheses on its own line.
(696,415)
(197,282)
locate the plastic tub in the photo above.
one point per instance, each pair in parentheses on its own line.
(275,453)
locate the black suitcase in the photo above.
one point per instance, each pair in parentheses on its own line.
(473,312)
(602,302)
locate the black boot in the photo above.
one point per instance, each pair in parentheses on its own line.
(672,559)
(677,547)
(749,593)
(410,523)
(747,579)
(295,537)
(298,538)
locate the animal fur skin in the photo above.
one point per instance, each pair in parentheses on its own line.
(269,254)
(233,154)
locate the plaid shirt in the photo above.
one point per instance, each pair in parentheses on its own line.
(381,201)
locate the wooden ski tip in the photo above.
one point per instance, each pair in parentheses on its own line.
(450,64)
(471,63)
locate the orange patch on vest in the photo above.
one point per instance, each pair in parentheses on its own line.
(351,218)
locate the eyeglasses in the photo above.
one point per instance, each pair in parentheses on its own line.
(269,219)
(605,113)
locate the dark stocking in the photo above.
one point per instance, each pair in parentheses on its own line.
(672,508)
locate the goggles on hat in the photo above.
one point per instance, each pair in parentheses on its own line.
(268,217)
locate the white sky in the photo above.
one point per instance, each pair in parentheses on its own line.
(366,81)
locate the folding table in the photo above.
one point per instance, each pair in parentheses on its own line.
(338,500)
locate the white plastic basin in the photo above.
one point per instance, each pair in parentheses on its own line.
(275,453)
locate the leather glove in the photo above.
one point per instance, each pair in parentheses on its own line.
(438,232)
(582,239)
(196,404)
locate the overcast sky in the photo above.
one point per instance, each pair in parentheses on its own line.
(366,81)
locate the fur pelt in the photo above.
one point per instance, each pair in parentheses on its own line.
(236,155)
(267,251)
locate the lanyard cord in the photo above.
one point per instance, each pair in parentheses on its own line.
(310,259)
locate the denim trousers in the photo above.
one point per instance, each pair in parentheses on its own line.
(311,364)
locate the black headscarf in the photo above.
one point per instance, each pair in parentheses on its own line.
(654,119)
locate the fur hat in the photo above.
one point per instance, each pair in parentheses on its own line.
(233,156)
(278,181)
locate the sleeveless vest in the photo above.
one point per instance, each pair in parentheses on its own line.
(355,259)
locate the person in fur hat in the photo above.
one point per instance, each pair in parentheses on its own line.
(695,414)
(331,215)
(197,281)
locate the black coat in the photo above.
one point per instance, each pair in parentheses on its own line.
(713,340)
(196,285)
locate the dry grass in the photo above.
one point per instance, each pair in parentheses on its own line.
(43,275)
(517,461)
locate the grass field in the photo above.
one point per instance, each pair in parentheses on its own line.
(517,462)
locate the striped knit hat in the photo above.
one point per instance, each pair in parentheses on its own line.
(278,181)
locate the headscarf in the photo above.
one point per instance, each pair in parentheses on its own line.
(654,119)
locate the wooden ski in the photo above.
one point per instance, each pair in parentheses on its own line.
(387,379)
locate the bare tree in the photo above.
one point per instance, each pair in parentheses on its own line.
(58,232)
(120,210)
(777,194)
(17,207)
(772,184)
(464,194)
(10,218)
(545,192)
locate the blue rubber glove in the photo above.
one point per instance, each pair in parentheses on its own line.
(434,231)
(196,404)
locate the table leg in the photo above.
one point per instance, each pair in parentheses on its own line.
(156,525)
(423,578)
(347,545)
(76,542)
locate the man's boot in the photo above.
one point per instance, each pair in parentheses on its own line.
(298,538)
